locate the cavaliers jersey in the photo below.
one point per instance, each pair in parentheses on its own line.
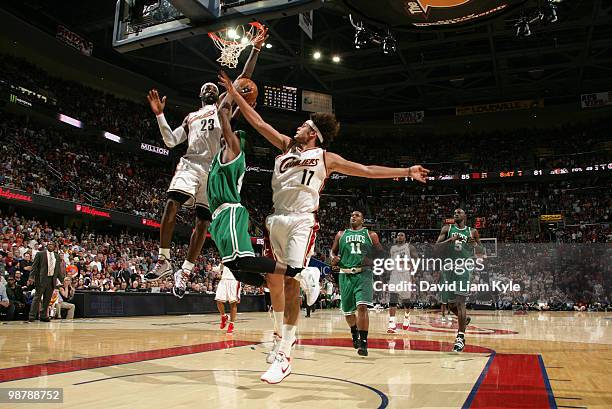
(401,250)
(203,136)
(299,176)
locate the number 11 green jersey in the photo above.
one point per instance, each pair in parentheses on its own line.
(354,246)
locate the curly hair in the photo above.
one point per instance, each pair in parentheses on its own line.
(328,126)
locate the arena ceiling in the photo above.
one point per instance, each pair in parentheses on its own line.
(431,69)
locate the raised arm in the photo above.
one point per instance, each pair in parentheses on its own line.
(171,137)
(249,66)
(336,163)
(276,138)
(233,142)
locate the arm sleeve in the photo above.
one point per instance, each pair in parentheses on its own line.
(172,138)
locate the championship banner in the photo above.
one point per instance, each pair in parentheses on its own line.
(412,117)
(316,102)
(500,107)
(74,40)
(598,99)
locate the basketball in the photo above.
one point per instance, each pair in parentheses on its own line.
(248,89)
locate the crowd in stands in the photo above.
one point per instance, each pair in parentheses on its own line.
(95,108)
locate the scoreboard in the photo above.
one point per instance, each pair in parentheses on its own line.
(280,97)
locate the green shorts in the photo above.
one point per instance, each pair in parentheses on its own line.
(460,283)
(230,231)
(355,289)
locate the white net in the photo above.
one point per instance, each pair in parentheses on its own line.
(233,41)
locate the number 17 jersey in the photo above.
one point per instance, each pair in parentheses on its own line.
(298,178)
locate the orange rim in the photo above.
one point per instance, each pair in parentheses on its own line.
(256,24)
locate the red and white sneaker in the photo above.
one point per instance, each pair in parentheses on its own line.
(230,328)
(406,325)
(224,319)
(392,330)
(279,370)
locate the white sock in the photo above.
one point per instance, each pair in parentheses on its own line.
(278,321)
(165,253)
(288,338)
(187,265)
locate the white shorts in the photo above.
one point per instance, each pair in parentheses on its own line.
(190,180)
(228,291)
(290,238)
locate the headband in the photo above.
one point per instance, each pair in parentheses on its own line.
(205,85)
(311,123)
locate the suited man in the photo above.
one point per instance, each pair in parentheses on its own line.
(46,271)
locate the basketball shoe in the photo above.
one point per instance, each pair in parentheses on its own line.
(274,351)
(279,370)
(230,328)
(406,323)
(162,268)
(392,328)
(180,284)
(309,282)
(459,343)
(223,321)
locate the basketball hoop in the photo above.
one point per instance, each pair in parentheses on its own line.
(233,40)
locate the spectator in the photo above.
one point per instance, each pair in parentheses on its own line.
(66,295)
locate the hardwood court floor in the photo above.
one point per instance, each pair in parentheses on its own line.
(534,360)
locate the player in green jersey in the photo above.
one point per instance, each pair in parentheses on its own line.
(458,243)
(230,220)
(353,251)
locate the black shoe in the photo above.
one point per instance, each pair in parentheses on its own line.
(459,344)
(30,319)
(467,321)
(363,351)
(356,342)
(45,319)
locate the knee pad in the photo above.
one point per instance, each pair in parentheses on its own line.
(203,213)
(253,279)
(179,197)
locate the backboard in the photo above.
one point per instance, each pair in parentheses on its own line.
(142,23)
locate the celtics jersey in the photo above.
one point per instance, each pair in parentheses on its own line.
(225,181)
(461,249)
(354,246)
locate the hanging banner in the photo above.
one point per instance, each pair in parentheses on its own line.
(306,23)
(412,117)
(598,99)
(500,106)
(316,102)
(74,40)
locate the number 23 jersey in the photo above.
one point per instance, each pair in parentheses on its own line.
(298,178)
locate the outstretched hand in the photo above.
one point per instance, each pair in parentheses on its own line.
(258,44)
(157,104)
(418,173)
(226,82)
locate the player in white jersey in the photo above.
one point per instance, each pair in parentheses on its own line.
(202,131)
(228,290)
(405,255)
(299,175)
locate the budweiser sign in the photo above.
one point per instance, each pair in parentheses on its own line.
(7,194)
(92,211)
